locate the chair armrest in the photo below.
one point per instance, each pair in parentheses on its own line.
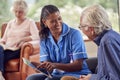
(3,27)
(28,49)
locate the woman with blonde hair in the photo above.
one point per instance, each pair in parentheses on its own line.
(18,31)
(94,22)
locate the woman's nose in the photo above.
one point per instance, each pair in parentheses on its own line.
(58,22)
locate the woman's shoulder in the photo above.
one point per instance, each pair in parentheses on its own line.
(30,20)
(69,28)
(73,30)
(11,21)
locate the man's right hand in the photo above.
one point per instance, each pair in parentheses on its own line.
(84,77)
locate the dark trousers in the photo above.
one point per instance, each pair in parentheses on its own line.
(42,77)
(6,55)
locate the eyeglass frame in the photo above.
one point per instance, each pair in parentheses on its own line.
(81,27)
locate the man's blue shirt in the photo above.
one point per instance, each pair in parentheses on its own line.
(108,56)
(69,47)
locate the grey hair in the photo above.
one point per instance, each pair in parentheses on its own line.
(97,17)
(20,4)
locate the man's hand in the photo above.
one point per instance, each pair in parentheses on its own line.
(84,77)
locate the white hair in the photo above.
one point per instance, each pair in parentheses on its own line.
(97,17)
(21,5)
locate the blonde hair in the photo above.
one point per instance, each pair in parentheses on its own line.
(97,17)
(21,5)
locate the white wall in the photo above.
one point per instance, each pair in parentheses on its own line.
(91,48)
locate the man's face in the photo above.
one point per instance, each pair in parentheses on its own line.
(86,28)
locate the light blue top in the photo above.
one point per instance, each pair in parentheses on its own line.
(70,46)
(108,56)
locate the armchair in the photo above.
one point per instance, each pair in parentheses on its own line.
(15,69)
(92,64)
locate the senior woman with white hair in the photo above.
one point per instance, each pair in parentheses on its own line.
(18,31)
(94,22)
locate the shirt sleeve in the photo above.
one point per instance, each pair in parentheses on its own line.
(34,31)
(108,60)
(112,58)
(94,77)
(78,46)
(44,56)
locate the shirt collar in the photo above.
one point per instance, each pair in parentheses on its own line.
(65,29)
(99,37)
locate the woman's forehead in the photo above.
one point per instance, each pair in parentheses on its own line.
(54,15)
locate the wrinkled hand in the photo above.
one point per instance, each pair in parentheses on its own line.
(84,77)
(19,42)
(47,65)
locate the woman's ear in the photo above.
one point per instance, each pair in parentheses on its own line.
(44,22)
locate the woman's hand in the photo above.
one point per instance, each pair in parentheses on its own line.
(17,42)
(3,45)
(20,42)
(84,77)
(47,65)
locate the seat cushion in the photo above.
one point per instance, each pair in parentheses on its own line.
(92,64)
(12,65)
